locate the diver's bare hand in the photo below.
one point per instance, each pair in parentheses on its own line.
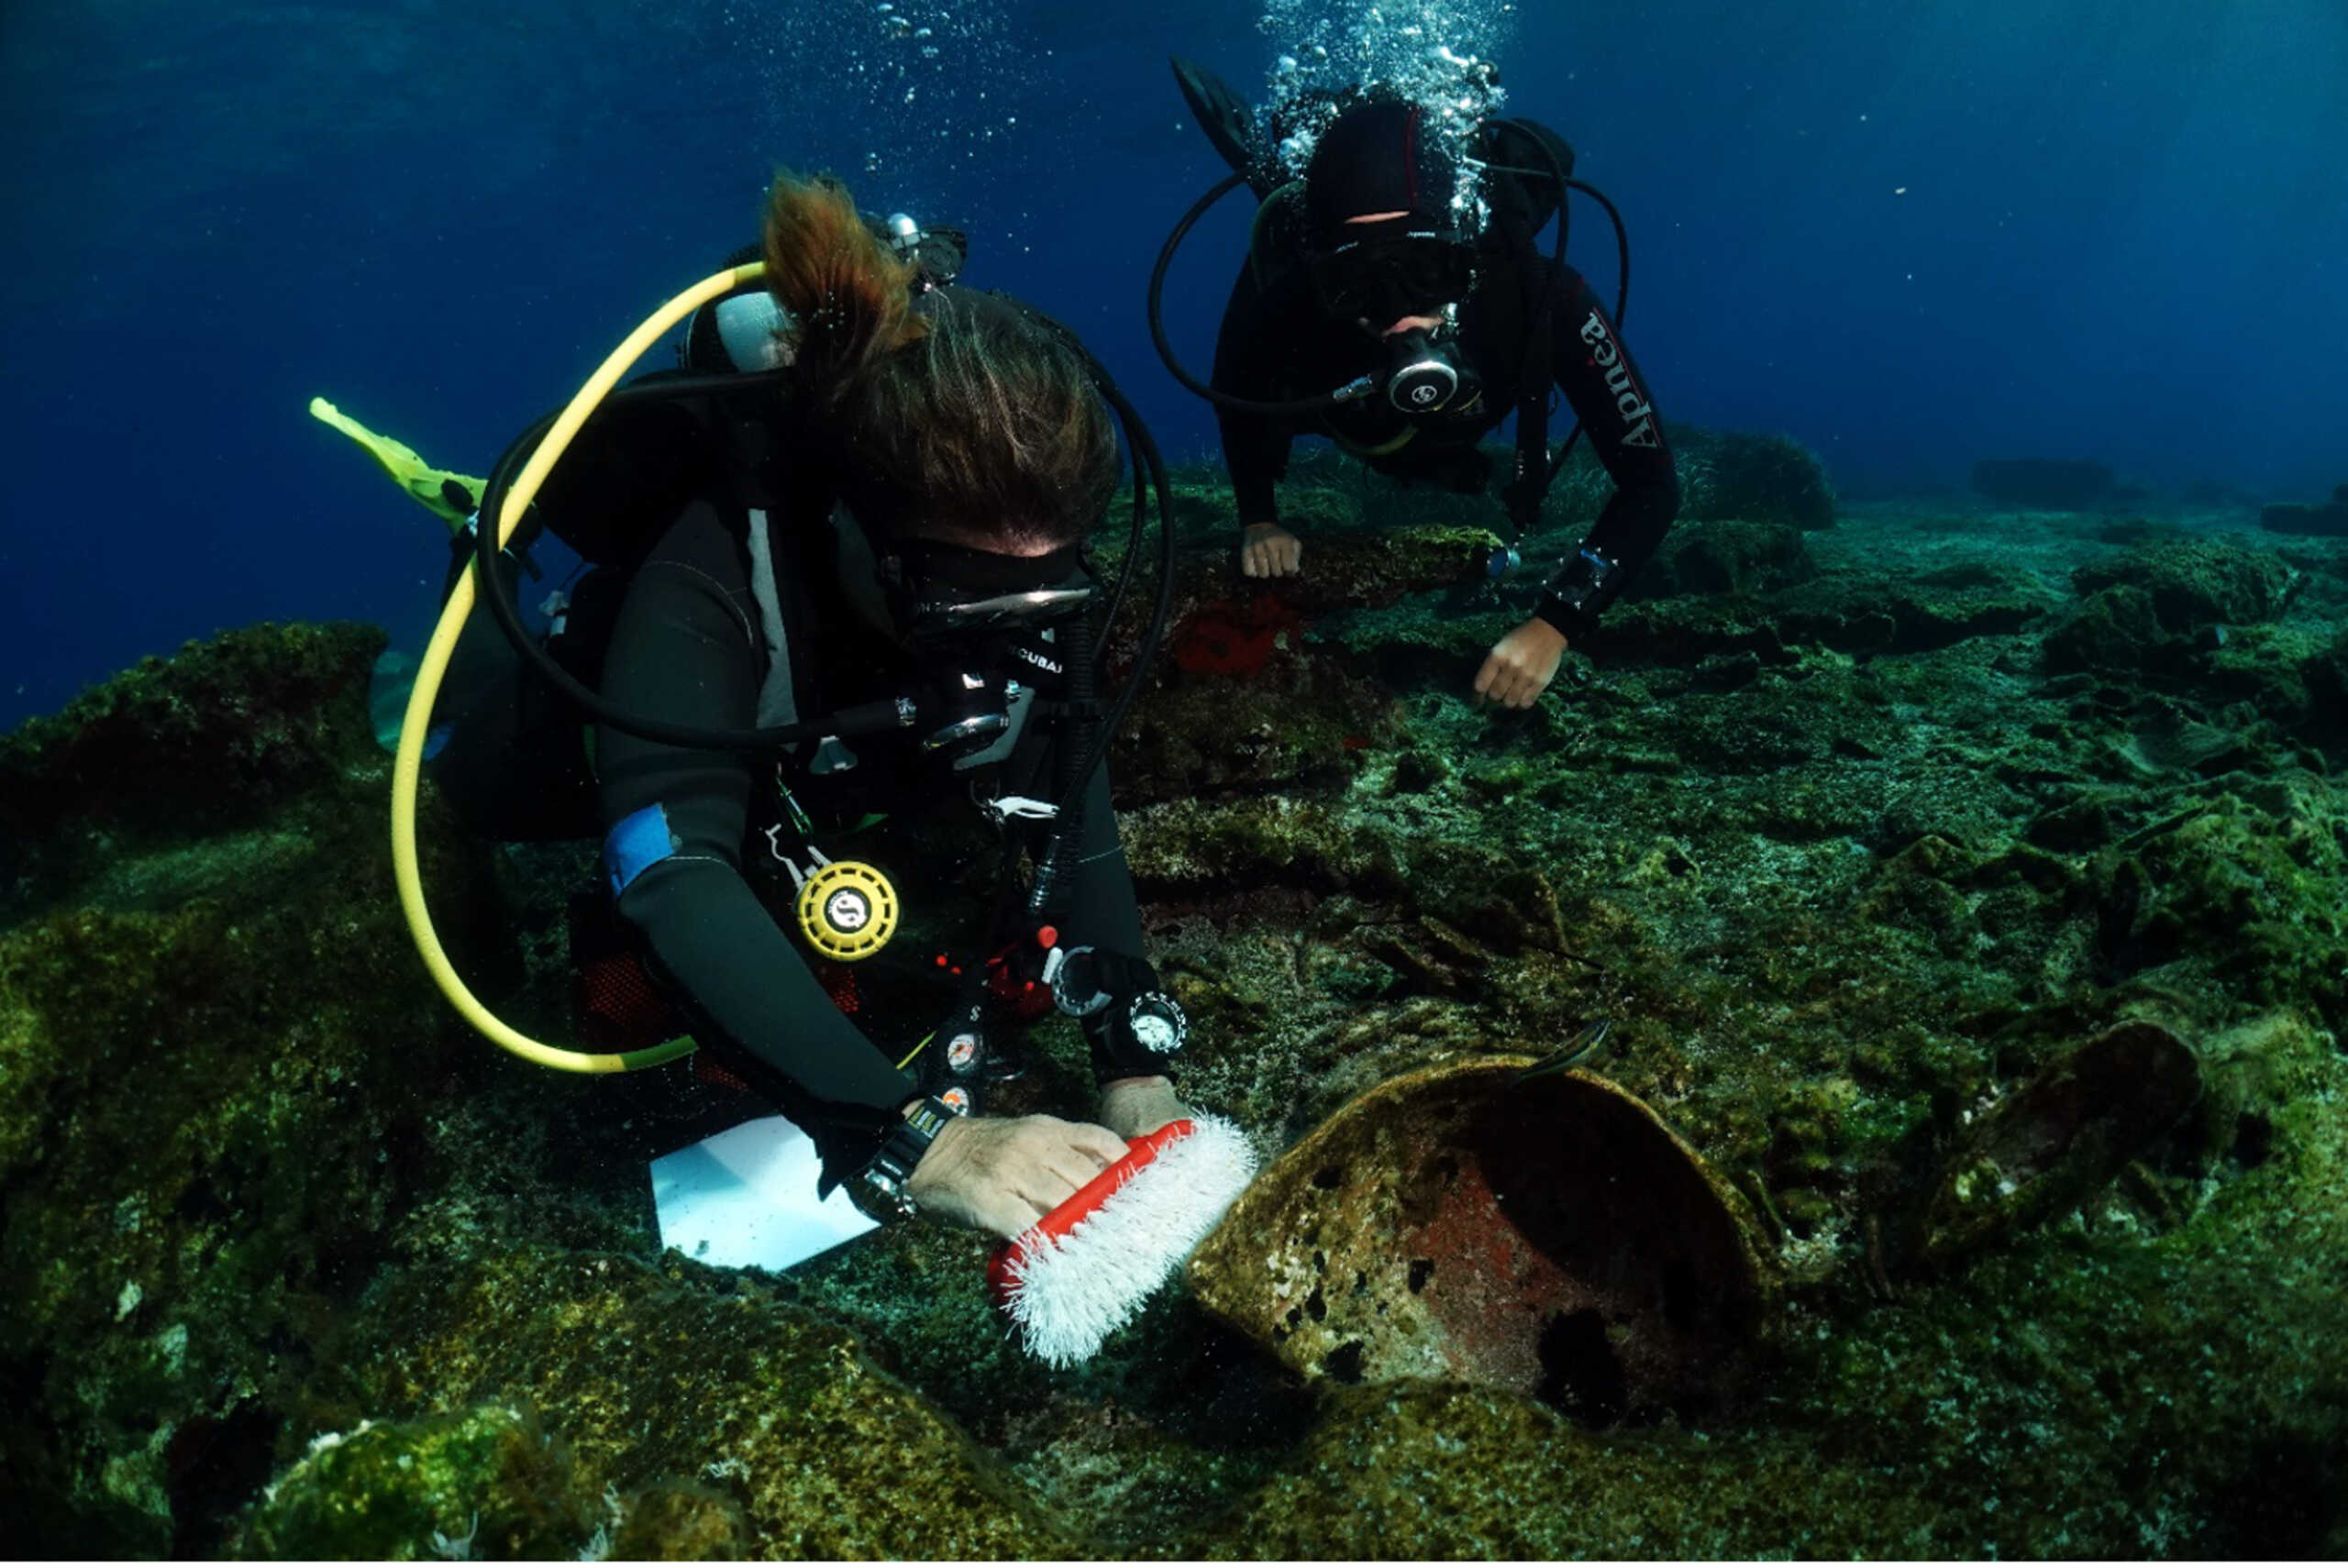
(1134,1108)
(1003,1173)
(1267,549)
(1521,665)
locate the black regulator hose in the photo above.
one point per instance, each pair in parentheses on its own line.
(1621,249)
(1297,408)
(1141,499)
(488,584)
(1076,757)
(870,718)
(1555,173)
(1069,812)
(1622,301)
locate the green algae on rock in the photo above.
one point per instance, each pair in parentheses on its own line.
(2163,608)
(1848,862)
(1446,1471)
(221,737)
(482,1483)
(1757,476)
(2197,582)
(1731,555)
(652,1375)
(218,1096)
(2061,1137)
(212,1120)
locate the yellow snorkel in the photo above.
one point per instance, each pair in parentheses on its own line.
(438,491)
(407,766)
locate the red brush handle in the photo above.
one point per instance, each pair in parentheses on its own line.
(1082,1203)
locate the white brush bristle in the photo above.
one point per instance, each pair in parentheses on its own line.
(1068,1293)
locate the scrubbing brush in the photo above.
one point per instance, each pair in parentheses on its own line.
(1082,1271)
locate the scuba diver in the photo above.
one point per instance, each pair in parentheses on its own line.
(1406,275)
(851,575)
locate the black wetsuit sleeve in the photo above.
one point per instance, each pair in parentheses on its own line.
(1247,364)
(687,648)
(1595,371)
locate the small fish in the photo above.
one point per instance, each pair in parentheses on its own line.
(1585,1040)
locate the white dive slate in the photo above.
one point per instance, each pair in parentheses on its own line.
(745,1199)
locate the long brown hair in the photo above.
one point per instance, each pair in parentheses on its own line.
(970,420)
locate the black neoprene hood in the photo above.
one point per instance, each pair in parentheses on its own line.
(1377,158)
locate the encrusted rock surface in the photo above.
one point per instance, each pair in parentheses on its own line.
(2003,845)
(2061,1137)
(650,1376)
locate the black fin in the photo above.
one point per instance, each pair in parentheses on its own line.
(1228,122)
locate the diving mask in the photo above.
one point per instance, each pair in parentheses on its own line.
(1384,277)
(944,593)
(976,622)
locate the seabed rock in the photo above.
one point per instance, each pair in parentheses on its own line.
(1751,476)
(1243,698)
(482,1483)
(2049,484)
(2331,521)
(2061,1137)
(1548,1237)
(775,1423)
(2198,582)
(2168,610)
(1728,557)
(1856,878)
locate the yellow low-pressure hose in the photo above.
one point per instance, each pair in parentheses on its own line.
(407,767)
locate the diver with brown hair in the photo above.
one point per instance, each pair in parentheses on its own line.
(1394,301)
(899,525)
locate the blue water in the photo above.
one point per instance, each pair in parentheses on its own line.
(1911,234)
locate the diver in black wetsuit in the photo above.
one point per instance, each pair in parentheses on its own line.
(1379,273)
(939,458)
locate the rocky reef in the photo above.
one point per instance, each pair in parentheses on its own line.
(2051,484)
(1963,1171)
(2331,521)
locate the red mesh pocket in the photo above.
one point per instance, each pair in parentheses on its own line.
(840,983)
(707,1069)
(619,1008)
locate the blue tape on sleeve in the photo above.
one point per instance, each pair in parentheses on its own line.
(637,840)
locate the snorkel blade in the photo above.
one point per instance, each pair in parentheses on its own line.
(1226,120)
